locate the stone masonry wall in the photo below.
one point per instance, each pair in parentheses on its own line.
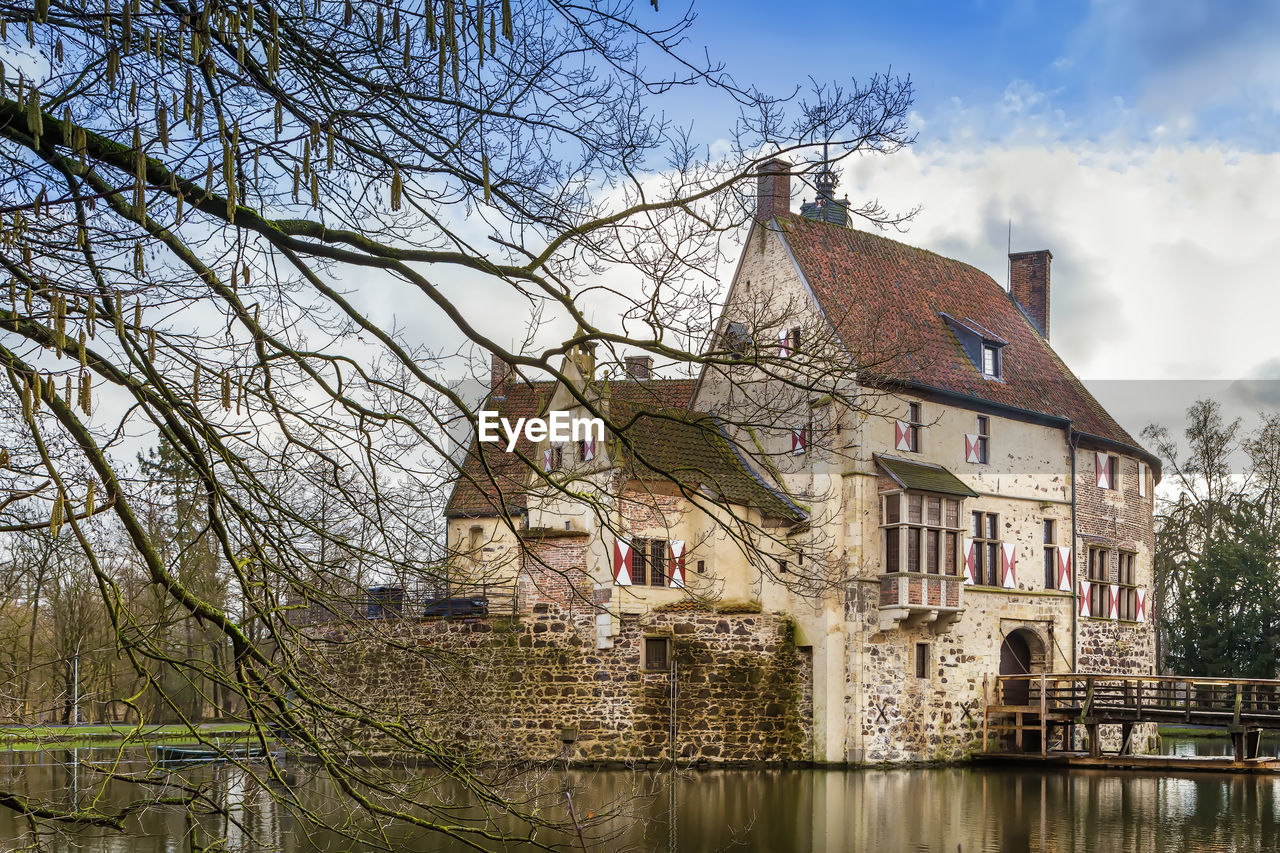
(536,688)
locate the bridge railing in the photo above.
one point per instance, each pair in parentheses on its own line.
(1154,696)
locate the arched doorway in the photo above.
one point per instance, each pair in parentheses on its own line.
(1015,659)
(1021,653)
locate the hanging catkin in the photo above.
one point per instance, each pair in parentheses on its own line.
(195,384)
(90,316)
(66,391)
(162,125)
(35,118)
(229,170)
(137,313)
(397,187)
(88,499)
(226,391)
(55,516)
(151,345)
(4,458)
(86,398)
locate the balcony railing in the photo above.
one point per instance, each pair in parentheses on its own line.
(914,598)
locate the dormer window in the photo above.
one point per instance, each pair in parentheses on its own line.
(984,347)
(991,361)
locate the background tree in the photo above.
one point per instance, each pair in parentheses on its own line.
(1217,566)
(197,198)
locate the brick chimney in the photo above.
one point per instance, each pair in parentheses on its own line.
(773,189)
(639,366)
(499,374)
(1029,284)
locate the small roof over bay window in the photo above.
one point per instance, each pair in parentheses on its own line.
(923,477)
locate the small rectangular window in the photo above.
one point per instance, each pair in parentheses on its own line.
(1128,586)
(922,660)
(702,567)
(914,426)
(984,439)
(782,566)
(658,562)
(657,654)
(986,548)
(737,339)
(991,361)
(1050,554)
(1099,577)
(639,561)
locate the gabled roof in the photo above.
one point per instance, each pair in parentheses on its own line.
(892,298)
(490,479)
(923,477)
(692,450)
(492,482)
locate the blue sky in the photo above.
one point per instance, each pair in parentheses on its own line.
(1141,70)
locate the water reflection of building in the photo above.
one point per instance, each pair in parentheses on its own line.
(983,514)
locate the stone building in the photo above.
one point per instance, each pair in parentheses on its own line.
(891,490)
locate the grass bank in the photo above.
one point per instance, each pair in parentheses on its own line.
(26,738)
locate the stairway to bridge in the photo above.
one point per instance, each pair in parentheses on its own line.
(1038,713)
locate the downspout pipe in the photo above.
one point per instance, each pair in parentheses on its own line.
(1073,444)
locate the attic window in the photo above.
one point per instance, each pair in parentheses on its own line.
(984,347)
(737,339)
(991,361)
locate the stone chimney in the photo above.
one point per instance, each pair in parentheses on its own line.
(773,190)
(1029,284)
(639,366)
(499,374)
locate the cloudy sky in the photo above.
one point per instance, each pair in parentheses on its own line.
(1136,140)
(1139,140)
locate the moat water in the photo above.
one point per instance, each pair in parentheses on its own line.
(922,809)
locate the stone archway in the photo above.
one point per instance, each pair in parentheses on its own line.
(1023,652)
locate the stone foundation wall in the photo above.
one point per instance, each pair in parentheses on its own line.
(536,688)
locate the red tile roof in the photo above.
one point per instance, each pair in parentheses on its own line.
(878,290)
(492,479)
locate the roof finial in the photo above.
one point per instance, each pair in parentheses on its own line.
(825,207)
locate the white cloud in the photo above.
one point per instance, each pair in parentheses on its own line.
(1163,257)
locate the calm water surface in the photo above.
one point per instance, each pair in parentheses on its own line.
(934,809)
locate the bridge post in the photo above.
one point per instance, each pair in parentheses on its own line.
(1095,745)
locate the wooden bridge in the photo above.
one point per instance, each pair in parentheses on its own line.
(1030,710)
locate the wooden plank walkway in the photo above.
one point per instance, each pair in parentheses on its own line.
(1045,704)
